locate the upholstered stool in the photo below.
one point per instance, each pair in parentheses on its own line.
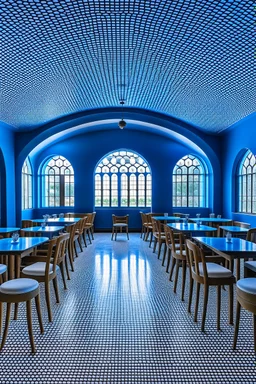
(16,291)
(246,297)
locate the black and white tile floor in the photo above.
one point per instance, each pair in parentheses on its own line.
(120,322)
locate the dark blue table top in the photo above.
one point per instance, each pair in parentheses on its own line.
(61,220)
(221,244)
(191,227)
(233,228)
(23,244)
(9,229)
(48,228)
(210,219)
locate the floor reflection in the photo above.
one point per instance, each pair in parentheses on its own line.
(129,274)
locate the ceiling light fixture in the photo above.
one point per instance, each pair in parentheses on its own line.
(122,123)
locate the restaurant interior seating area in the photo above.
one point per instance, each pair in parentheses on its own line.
(127,191)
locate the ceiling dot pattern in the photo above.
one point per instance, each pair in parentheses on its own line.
(191,59)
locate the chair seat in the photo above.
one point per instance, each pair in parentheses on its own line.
(250,265)
(215,270)
(3,268)
(19,286)
(37,269)
(247,285)
(120,225)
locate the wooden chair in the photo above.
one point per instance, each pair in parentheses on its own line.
(90,225)
(158,236)
(147,227)
(44,270)
(119,223)
(251,235)
(241,224)
(246,298)
(208,273)
(179,257)
(17,291)
(71,230)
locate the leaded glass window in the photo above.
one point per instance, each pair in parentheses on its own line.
(246,177)
(123,179)
(58,183)
(27,185)
(189,183)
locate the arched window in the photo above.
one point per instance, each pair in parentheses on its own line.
(246,178)
(189,183)
(58,183)
(123,179)
(27,185)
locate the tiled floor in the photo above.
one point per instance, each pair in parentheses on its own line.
(119,322)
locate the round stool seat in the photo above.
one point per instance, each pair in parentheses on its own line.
(19,286)
(247,285)
(3,268)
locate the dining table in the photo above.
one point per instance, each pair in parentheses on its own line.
(234,230)
(233,249)
(15,250)
(166,218)
(191,228)
(48,230)
(58,220)
(212,220)
(7,231)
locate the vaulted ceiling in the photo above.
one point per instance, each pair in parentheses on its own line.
(193,60)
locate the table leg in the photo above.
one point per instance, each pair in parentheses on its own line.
(10,267)
(237,269)
(17,267)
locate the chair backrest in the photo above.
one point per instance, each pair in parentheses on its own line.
(62,247)
(175,240)
(120,219)
(251,235)
(71,230)
(27,223)
(196,256)
(241,224)
(79,215)
(144,219)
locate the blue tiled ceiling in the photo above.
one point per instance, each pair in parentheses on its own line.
(191,59)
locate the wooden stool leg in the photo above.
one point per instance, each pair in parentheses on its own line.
(238,310)
(206,294)
(30,329)
(7,321)
(16,310)
(39,315)
(254,331)
(218,306)
(231,299)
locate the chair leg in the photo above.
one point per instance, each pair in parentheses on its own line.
(151,238)
(112,234)
(84,238)
(197,301)
(39,314)
(7,321)
(127,233)
(66,267)
(154,247)
(48,301)
(206,294)
(168,259)
(62,275)
(159,249)
(184,270)
(80,243)
(218,306)
(191,285)
(172,268)
(71,256)
(238,310)
(30,329)
(176,276)
(254,331)
(89,237)
(55,285)
(91,230)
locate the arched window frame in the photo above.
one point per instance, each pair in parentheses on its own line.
(190,183)
(27,186)
(57,176)
(246,183)
(118,181)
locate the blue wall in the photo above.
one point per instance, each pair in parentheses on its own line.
(85,150)
(235,142)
